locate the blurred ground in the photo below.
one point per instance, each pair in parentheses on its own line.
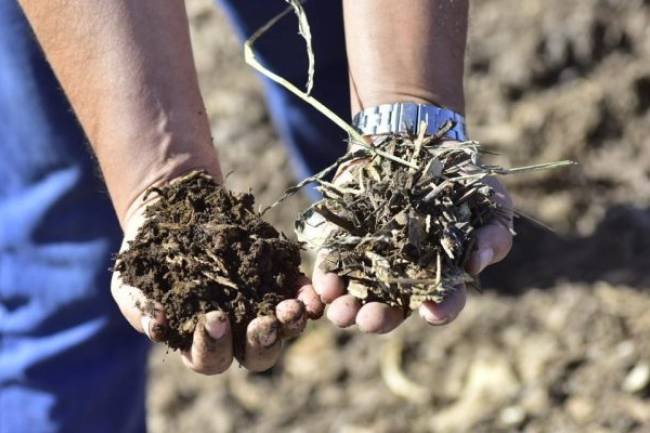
(560,340)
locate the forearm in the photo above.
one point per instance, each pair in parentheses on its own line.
(127,69)
(406,51)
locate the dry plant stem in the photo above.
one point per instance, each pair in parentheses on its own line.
(251,59)
(355,137)
(395,378)
(305,32)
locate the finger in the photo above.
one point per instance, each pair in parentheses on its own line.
(446,311)
(343,311)
(328,285)
(263,343)
(144,315)
(501,196)
(493,243)
(292,315)
(308,296)
(211,351)
(379,318)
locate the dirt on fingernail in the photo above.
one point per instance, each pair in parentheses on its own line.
(202,249)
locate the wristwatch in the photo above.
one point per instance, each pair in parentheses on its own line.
(406,117)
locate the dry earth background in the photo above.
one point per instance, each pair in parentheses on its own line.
(560,340)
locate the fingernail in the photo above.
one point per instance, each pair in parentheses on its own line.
(145,321)
(485,258)
(216,325)
(268,339)
(430,318)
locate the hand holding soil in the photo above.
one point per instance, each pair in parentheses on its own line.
(200,271)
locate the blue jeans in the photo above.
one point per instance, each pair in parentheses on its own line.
(69,362)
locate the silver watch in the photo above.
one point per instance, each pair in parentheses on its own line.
(406,117)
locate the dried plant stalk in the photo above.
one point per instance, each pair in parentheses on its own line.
(251,60)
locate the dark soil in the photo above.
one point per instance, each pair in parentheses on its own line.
(203,249)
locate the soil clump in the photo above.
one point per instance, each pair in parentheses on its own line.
(203,248)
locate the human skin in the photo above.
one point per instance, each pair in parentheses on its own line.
(127,68)
(409,52)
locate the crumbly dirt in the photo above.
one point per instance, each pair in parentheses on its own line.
(201,249)
(558,341)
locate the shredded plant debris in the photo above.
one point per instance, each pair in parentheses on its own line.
(203,248)
(398,223)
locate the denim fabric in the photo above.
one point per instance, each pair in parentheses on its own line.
(69,362)
(313,140)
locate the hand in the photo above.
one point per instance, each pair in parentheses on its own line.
(212,346)
(493,243)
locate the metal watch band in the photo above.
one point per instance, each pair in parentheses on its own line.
(406,117)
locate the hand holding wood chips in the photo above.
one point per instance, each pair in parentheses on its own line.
(406,230)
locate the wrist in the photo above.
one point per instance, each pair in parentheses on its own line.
(134,212)
(130,194)
(150,147)
(452,98)
(410,119)
(402,53)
